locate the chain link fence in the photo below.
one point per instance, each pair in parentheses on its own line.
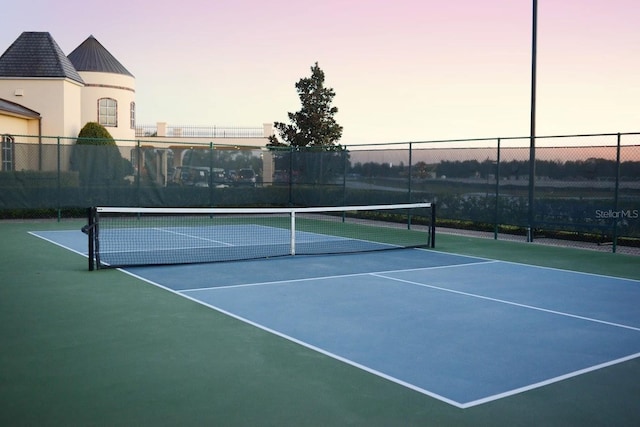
(586,190)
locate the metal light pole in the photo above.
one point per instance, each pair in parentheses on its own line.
(532,142)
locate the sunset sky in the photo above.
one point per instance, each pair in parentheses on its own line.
(402,70)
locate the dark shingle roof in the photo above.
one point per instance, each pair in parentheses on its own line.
(13,108)
(36,54)
(92,56)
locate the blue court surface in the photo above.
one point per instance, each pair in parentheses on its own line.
(460,329)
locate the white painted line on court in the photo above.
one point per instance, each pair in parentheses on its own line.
(35,234)
(531,307)
(549,381)
(192,236)
(304,343)
(307,279)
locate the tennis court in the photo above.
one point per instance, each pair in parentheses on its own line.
(475,332)
(464,330)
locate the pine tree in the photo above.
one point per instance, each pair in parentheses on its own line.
(314,125)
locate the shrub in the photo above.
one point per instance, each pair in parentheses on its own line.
(97,159)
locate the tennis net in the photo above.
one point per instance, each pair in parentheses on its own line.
(129,236)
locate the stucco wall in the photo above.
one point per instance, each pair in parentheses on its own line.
(108,85)
(18,126)
(57,101)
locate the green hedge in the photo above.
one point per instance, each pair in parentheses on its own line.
(34,179)
(570,219)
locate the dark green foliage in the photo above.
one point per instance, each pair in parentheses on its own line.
(36,179)
(314,125)
(314,129)
(97,158)
(95,134)
(590,169)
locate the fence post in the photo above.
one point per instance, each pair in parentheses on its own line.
(497,206)
(532,189)
(432,228)
(345,170)
(40,147)
(291,151)
(59,177)
(138,175)
(616,198)
(532,134)
(410,170)
(211,174)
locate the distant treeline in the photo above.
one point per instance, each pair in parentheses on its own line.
(579,169)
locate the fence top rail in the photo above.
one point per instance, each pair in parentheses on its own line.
(353,147)
(495,139)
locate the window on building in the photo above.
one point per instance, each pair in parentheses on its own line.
(132,117)
(108,112)
(8,153)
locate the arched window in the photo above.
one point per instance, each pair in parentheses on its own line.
(132,116)
(108,112)
(8,153)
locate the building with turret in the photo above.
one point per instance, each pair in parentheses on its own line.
(65,92)
(46,98)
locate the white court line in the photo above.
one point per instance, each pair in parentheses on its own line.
(192,236)
(35,234)
(367,369)
(154,250)
(584,273)
(531,307)
(549,381)
(302,343)
(398,381)
(339,276)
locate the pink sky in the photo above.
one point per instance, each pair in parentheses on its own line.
(402,70)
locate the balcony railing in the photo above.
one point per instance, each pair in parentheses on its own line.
(176,131)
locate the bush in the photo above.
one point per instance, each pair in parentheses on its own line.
(97,159)
(95,134)
(36,179)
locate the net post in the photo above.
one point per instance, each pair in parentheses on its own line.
(90,236)
(432,229)
(293,233)
(96,236)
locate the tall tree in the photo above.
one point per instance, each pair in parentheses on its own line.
(314,125)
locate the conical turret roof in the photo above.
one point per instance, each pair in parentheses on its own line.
(92,56)
(36,54)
